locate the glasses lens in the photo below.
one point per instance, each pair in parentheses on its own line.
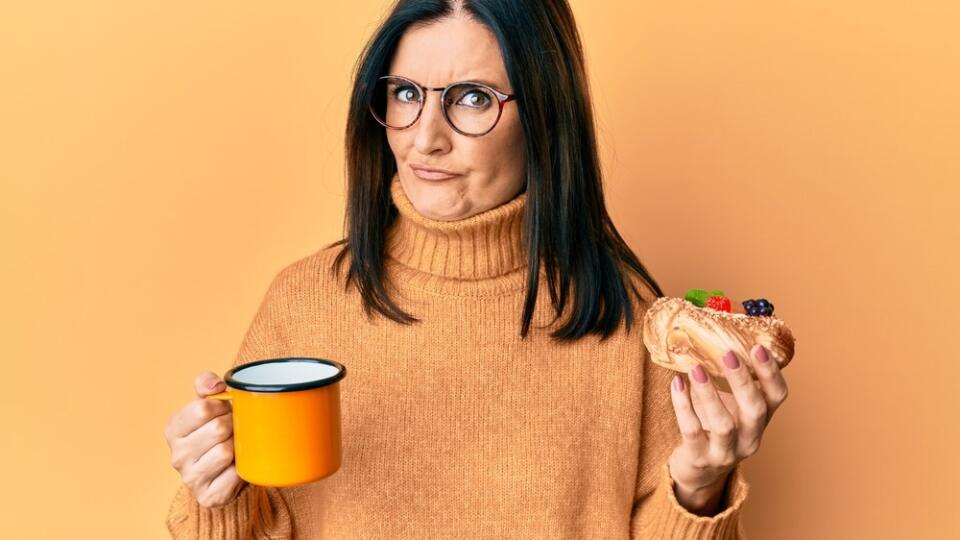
(472,109)
(396,102)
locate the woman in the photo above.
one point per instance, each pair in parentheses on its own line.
(482,300)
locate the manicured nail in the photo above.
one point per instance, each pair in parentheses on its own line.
(699,374)
(730,359)
(678,383)
(762,354)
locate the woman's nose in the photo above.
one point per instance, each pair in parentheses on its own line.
(433,132)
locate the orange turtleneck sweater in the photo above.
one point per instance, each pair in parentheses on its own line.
(456,427)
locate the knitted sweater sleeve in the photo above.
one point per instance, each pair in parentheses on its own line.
(656,511)
(257,512)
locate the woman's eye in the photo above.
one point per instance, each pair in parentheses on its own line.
(475,98)
(405,94)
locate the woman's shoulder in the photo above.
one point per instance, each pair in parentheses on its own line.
(302,290)
(315,271)
(640,291)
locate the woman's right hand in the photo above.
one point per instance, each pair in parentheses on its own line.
(200,436)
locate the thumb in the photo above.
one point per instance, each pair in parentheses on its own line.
(208,383)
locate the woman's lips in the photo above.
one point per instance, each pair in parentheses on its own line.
(426,174)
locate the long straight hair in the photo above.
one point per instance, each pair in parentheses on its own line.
(566,223)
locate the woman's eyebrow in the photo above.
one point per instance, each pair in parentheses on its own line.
(470,79)
(486,82)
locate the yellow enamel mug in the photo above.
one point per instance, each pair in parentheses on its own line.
(286,419)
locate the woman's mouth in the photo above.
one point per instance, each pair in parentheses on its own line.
(427,173)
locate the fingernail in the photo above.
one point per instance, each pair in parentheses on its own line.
(678,383)
(730,360)
(699,374)
(762,354)
(213,385)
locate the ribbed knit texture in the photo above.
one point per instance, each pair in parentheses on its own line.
(455,426)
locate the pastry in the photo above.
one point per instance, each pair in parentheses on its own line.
(701,327)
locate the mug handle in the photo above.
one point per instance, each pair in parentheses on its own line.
(222,396)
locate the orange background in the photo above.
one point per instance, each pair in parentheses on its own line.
(161,161)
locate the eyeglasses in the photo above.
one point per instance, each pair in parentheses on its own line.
(470,108)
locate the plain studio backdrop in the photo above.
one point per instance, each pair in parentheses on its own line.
(161,161)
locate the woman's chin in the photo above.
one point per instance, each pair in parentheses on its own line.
(443,207)
(437,202)
(442,213)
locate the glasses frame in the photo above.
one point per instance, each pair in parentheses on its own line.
(502,99)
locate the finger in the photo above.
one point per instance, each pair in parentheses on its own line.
(228,478)
(691,431)
(195,414)
(212,463)
(771,379)
(212,433)
(751,404)
(207,383)
(719,423)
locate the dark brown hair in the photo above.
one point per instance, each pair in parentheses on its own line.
(566,225)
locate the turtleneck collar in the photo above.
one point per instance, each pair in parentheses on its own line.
(485,246)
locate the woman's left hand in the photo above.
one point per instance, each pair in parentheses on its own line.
(720,429)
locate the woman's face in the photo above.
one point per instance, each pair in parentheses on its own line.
(489,169)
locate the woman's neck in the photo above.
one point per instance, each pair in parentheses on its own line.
(488,245)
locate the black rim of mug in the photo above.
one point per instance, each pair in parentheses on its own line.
(293,387)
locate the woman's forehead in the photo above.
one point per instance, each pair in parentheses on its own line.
(449,50)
